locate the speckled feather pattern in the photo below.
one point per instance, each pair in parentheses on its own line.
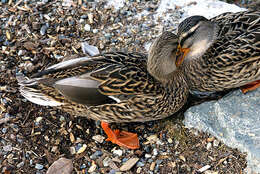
(233,59)
(118,74)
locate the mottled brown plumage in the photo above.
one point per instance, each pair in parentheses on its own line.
(223,52)
(113,87)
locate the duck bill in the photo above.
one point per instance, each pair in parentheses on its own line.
(181,53)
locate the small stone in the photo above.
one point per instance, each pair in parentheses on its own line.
(95,31)
(151,139)
(4,130)
(82,149)
(209,145)
(118,152)
(155,152)
(38,119)
(92,168)
(38,166)
(7,148)
(19,165)
(106,161)
(147,156)
(98,138)
(204,168)
(72,150)
(140,164)
(43,30)
(91,18)
(87,27)
(96,155)
(152,166)
(72,138)
(215,143)
(129,164)
(170,140)
(21,52)
(139,169)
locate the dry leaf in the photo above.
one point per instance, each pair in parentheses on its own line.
(62,165)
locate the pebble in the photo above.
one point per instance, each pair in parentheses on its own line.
(147,156)
(92,168)
(38,166)
(82,149)
(170,140)
(96,154)
(4,130)
(209,145)
(139,169)
(118,152)
(98,138)
(152,166)
(155,152)
(129,164)
(43,30)
(216,143)
(140,164)
(38,119)
(87,27)
(7,148)
(95,31)
(204,168)
(72,150)
(19,165)
(106,161)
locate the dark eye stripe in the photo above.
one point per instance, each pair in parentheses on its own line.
(187,36)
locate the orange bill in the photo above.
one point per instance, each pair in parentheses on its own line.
(122,138)
(180,55)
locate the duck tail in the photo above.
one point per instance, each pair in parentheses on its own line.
(29,88)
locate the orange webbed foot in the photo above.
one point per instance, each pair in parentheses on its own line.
(250,87)
(122,138)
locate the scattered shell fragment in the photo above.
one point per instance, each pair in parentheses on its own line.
(72,138)
(82,149)
(92,168)
(98,138)
(152,166)
(129,164)
(204,168)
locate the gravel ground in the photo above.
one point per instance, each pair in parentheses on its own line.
(35,35)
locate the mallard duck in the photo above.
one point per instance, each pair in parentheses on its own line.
(220,53)
(113,87)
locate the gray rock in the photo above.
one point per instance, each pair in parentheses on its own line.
(235,120)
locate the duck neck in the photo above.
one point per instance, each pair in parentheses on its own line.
(161,66)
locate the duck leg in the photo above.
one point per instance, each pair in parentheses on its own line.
(250,87)
(122,138)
